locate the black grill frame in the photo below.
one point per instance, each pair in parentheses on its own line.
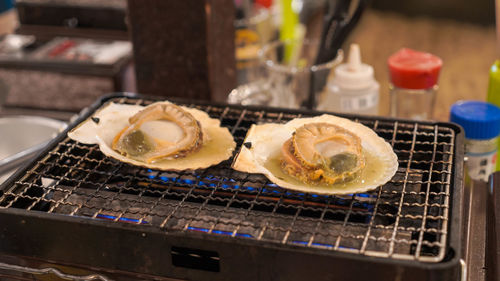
(294,262)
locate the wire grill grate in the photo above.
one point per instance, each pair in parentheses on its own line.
(407,218)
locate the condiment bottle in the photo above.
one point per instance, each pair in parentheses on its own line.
(414,77)
(353,88)
(481,123)
(494,90)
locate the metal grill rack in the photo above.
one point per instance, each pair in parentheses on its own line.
(407,218)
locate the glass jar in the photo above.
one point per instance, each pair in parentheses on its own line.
(417,104)
(481,123)
(286,83)
(481,158)
(413,87)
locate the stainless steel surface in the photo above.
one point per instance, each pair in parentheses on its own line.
(29,268)
(493,229)
(14,161)
(54,271)
(407,218)
(475,198)
(16,111)
(463,274)
(20,133)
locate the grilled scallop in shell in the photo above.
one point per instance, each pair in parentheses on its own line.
(322,153)
(141,140)
(161,136)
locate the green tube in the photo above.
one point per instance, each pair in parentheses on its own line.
(289,22)
(494,91)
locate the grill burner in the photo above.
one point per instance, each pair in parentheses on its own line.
(406,219)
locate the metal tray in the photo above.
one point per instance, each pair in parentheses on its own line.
(74,205)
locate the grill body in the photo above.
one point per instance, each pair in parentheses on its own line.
(76,206)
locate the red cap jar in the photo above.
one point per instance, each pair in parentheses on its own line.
(414,70)
(414,78)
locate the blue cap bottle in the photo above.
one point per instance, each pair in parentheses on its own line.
(481,123)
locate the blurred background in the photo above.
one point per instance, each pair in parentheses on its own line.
(460,32)
(68,53)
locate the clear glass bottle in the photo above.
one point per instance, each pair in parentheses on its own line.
(481,158)
(416,104)
(413,87)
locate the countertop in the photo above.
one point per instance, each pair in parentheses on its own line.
(467,51)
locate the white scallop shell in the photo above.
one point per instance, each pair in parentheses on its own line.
(218,143)
(267,139)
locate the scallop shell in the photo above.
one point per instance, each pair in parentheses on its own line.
(265,142)
(218,143)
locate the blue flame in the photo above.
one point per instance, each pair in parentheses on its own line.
(220,232)
(321,245)
(110,217)
(202,181)
(212,181)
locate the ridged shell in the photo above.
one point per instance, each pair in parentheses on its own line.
(218,144)
(267,141)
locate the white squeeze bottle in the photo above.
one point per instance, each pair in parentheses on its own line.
(353,88)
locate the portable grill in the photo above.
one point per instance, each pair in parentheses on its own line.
(75,205)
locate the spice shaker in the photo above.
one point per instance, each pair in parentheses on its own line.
(353,88)
(414,77)
(481,123)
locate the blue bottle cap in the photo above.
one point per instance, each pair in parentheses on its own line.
(480,120)
(6,5)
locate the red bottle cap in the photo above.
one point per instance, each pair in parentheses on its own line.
(264,3)
(411,69)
